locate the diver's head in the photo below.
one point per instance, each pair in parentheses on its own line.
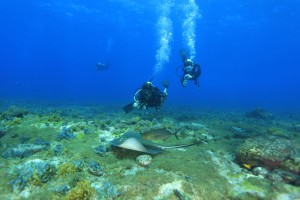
(188,62)
(147,86)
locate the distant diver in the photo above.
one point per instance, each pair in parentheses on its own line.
(148,96)
(102,66)
(190,70)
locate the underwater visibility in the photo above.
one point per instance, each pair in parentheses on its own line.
(160,99)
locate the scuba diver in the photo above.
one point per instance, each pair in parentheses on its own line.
(190,70)
(102,66)
(148,96)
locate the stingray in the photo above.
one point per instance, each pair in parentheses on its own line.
(134,141)
(158,134)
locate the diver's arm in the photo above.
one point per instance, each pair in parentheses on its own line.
(166,91)
(197,71)
(136,98)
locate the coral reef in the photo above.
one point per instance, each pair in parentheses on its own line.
(65,133)
(259,113)
(95,168)
(34,172)
(278,132)
(267,151)
(63,152)
(272,153)
(13,122)
(102,150)
(105,190)
(297,127)
(2,132)
(14,112)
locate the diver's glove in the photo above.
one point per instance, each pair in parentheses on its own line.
(136,105)
(184,82)
(188,77)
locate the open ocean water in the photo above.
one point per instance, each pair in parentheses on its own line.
(70,69)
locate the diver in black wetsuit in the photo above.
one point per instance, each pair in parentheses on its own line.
(102,66)
(190,70)
(148,96)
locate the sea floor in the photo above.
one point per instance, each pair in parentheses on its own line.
(63,152)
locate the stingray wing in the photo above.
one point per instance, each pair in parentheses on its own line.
(133,141)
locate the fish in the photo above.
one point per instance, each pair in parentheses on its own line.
(134,141)
(158,134)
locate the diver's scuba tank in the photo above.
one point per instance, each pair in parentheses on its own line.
(183,55)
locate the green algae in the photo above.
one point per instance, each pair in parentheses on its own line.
(80,135)
(277,132)
(14,122)
(56,118)
(255,185)
(14,133)
(77,127)
(191,167)
(14,112)
(251,188)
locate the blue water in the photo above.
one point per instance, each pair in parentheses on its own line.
(249,50)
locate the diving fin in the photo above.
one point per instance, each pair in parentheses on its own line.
(128,108)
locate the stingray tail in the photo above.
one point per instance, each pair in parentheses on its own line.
(180,146)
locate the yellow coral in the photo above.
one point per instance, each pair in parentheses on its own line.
(83,190)
(14,122)
(66,168)
(35,179)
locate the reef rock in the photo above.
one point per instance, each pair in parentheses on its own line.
(61,189)
(2,132)
(102,150)
(13,112)
(95,168)
(270,152)
(57,148)
(144,160)
(260,171)
(65,133)
(35,172)
(297,127)
(259,113)
(105,189)
(23,150)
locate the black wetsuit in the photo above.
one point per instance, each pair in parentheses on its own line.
(151,97)
(195,73)
(146,97)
